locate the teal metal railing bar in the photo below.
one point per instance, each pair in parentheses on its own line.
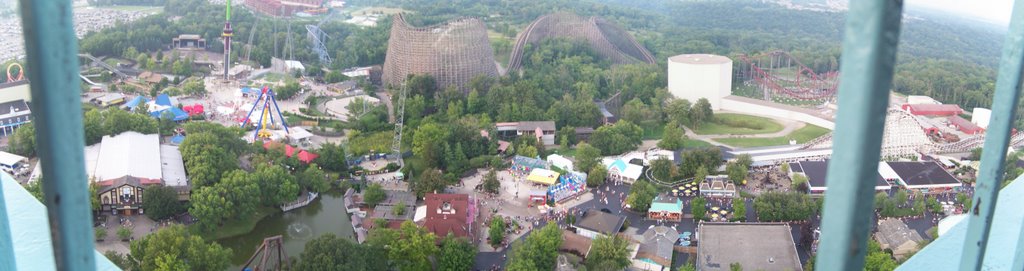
(868,59)
(6,242)
(52,56)
(997,139)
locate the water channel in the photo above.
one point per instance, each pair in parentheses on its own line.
(322,216)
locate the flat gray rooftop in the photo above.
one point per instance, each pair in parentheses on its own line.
(755,246)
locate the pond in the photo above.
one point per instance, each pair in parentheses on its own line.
(324,215)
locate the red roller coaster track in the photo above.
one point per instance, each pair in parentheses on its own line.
(21,72)
(800,82)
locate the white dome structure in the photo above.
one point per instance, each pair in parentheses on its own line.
(695,76)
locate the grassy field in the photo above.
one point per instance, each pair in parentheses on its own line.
(737,124)
(238,227)
(801,136)
(693,143)
(364,143)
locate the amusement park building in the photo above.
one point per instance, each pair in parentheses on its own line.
(933,109)
(695,76)
(453,52)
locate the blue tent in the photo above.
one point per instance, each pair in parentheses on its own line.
(179,115)
(135,102)
(163,99)
(177,139)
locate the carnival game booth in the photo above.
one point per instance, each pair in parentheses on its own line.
(538,197)
(666,207)
(522,165)
(569,185)
(542,176)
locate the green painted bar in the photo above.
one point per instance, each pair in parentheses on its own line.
(6,243)
(997,139)
(52,57)
(869,55)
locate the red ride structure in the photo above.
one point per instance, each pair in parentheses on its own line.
(778,74)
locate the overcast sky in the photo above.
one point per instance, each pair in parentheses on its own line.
(997,11)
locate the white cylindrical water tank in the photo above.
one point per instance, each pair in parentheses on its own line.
(980,116)
(695,76)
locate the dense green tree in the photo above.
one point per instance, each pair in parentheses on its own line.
(329,252)
(231,198)
(877,259)
(739,207)
(332,157)
(608,253)
(209,150)
(35,187)
(496,232)
(596,177)
(735,267)
(374,194)
(490,182)
(276,185)
(737,172)
(538,252)
(456,254)
(701,112)
(175,246)
(429,181)
(119,259)
(698,208)
(701,174)
(673,138)
(640,196)
(617,138)
(427,143)
(678,111)
(314,179)
(415,248)
(23,141)
(664,170)
(692,160)
(799,182)
(784,206)
(161,202)
(587,157)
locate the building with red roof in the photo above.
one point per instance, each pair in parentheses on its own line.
(289,151)
(933,109)
(965,126)
(450,213)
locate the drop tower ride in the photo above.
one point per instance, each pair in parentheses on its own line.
(227,39)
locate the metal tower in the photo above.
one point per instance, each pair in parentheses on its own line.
(273,256)
(396,145)
(252,33)
(316,39)
(227,39)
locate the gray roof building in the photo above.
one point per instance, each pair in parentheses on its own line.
(755,246)
(600,222)
(657,245)
(895,235)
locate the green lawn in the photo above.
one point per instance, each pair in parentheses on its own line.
(693,143)
(801,136)
(238,227)
(737,124)
(364,143)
